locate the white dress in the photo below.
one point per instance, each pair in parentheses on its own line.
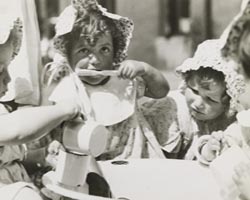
(115,106)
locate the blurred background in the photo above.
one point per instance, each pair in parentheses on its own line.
(166,31)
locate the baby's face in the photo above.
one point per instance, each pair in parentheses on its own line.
(94,57)
(6,51)
(205,103)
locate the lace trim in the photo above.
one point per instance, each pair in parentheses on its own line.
(208,54)
(18,33)
(80,9)
(233,33)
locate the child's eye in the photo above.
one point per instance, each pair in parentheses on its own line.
(105,49)
(194,91)
(212,100)
(84,51)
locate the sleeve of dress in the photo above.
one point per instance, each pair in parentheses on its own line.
(161,115)
(175,143)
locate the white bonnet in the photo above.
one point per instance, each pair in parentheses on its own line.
(232,34)
(79,9)
(208,54)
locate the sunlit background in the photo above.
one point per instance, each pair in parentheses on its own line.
(166,31)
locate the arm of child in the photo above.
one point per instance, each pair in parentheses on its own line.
(156,84)
(53,151)
(27,124)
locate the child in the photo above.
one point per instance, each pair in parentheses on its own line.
(21,126)
(88,37)
(236,47)
(204,104)
(238,51)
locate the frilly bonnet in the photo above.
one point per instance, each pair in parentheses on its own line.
(232,35)
(209,54)
(78,13)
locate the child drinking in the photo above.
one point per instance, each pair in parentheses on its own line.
(21,126)
(93,43)
(205,103)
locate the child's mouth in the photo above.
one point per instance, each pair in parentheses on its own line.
(196,112)
(94,80)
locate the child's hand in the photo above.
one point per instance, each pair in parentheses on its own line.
(241,178)
(213,146)
(129,69)
(53,151)
(60,73)
(56,72)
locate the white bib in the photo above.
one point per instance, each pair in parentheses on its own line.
(110,103)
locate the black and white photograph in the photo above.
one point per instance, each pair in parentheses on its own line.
(125,99)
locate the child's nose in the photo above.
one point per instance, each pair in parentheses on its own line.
(93,59)
(198,103)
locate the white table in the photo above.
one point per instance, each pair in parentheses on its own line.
(155,179)
(158,179)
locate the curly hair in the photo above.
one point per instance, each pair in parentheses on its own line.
(90,24)
(207,77)
(89,29)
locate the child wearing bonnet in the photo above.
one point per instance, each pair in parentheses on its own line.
(18,127)
(236,48)
(91,46)
(205,102)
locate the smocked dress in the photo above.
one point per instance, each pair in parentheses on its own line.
(114,105)
(175,129)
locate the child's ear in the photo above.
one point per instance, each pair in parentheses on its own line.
(225,99)
(226,102)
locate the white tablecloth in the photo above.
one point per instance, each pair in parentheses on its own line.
(159,179)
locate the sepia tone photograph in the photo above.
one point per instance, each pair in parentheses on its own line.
(124,99)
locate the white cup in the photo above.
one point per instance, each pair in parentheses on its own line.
(87,137)
(72,169)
